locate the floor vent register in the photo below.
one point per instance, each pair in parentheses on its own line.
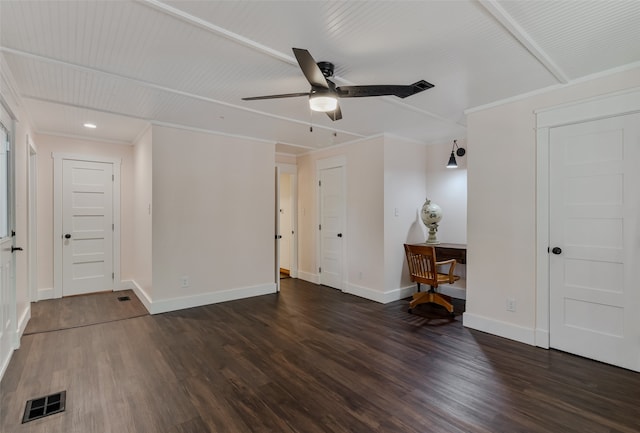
(44,406)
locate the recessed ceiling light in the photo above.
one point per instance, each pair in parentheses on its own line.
(90,125)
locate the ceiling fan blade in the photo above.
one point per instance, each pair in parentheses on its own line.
(383,90)
(335,114)
(284,95)
(310,69)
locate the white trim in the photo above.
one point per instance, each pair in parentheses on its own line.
(614,104)
(141,294)
(32,219)
(542,238)
(323,164)
(552,88)
(597,107)
(47,293)
(180,303)
(520,34)
(58,159)
(84,137)
(499,328)
(22,323)
(377,296)
(308,276)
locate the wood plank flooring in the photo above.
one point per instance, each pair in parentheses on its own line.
(83,310)
(309,360)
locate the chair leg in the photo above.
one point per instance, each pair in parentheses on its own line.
(430,297)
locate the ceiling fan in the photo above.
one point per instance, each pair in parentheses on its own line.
(324,94)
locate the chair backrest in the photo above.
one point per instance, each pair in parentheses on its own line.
(422,264)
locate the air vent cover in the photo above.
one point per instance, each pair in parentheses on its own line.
(44,406)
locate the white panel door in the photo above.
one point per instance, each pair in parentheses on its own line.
(332,210)
(595,240)
(8,324)
(87,227)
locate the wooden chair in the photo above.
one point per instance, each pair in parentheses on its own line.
(423,269)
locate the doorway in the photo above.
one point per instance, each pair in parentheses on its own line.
(590,217)
(86,224)
(286,218)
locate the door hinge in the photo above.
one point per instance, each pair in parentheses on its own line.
(319,226)
(319,270)
(113,178)
(113,275)
(319,183)
(113,227)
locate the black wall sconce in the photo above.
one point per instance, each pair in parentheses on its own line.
(452,159)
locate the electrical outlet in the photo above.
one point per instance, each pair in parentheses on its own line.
(184,282)
(511,304)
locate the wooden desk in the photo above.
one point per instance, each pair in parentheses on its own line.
(451,251)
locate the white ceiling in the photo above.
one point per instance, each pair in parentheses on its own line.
(125,64)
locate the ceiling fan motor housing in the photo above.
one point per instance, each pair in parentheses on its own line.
(326,68)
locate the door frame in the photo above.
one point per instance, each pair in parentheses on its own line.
(58,159)
(599,107)
(292,171)
(32,219)
(324,164)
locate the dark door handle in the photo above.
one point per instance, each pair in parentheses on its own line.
(556,250)
(15,249)
(67,236)
(339,235)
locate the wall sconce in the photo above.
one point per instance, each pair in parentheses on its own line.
(452,159)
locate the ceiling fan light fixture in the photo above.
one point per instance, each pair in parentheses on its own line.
(322,102)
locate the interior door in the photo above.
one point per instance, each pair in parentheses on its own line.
(8,323)
(87,227)
(332,210)
(278,236)
(595,240)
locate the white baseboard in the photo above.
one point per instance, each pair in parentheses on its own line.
(22,324)
(499,328)
(45,294)
(142,295)
(124,285)
(180,303)
(381,297)
(307,276)
(542,338)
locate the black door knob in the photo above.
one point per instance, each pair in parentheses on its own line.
(339,235)
(556,250)
(67,236)
(15,249)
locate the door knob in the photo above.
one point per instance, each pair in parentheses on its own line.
(67,236)
(339,235)
(15,248)
(556,250)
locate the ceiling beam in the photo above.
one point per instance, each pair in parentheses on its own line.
(235,37)
(520,34)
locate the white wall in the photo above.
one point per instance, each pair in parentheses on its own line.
(447,187)
(501,223)
(364,232)
(48,144)
(405,190)
(142,214)
(213,218)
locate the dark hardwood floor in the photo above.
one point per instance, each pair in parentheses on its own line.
(309,360)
